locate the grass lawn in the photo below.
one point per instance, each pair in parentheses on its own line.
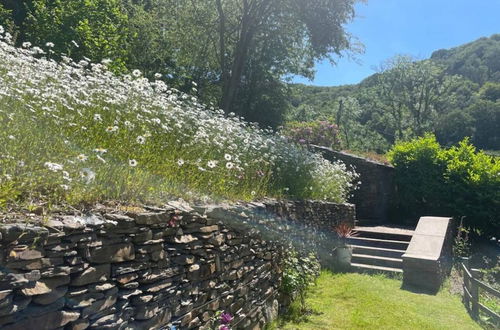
(355,301)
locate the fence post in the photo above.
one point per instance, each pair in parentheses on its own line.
(466,288)
(474,292)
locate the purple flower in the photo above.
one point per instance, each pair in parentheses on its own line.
(224,327)
(226,318)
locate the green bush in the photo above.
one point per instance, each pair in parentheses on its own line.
(459,181)
(299,272)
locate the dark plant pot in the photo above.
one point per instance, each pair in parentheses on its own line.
(343,256)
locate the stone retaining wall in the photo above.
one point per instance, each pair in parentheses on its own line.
(374,198)
(144,268)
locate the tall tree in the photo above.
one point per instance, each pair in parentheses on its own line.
(413,94)
(244,40)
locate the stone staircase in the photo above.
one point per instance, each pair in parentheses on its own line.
(379,249)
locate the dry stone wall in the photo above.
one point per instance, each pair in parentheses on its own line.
(143,268)
(374,196)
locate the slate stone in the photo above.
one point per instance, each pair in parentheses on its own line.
(18,303)
(44,286)
(112,253)
(80,324)
(84,300)
(23,233)
(151,218)
(26,254)
(99,305)
(97,273)
(128,267)
(4,293)
(52,296)
(12,281)
(48,321)
(184,259)
(146,312)
(36,310)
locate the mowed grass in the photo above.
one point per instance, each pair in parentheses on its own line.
(355,301)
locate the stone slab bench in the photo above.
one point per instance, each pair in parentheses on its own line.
(428,257)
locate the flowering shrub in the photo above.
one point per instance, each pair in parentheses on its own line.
(74,132)
(320,133)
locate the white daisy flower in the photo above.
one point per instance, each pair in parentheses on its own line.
(54,167)
(211,163)
(229,165)
(180,162)
(132,162)
(227,157)
(140,139)
(82,157)
(136,73)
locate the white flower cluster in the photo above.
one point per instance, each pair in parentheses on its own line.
(77,114)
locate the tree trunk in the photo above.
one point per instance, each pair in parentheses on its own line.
(232,84)
(253,14)
(222,44)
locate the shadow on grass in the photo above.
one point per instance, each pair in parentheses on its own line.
(418,290)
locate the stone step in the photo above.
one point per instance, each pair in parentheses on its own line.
(376,242)
(366,259)
(378,251)
(382,232)
(371,269)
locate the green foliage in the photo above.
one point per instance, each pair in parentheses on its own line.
(6,19)
(486,119)
(459,181)
(476,61)
(490,91)
(299,272)
(461,243)
(98,28)
(419,166)
(407,98)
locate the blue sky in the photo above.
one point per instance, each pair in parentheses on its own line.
(414,27)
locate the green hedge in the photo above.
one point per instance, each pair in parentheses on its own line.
(459,181)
